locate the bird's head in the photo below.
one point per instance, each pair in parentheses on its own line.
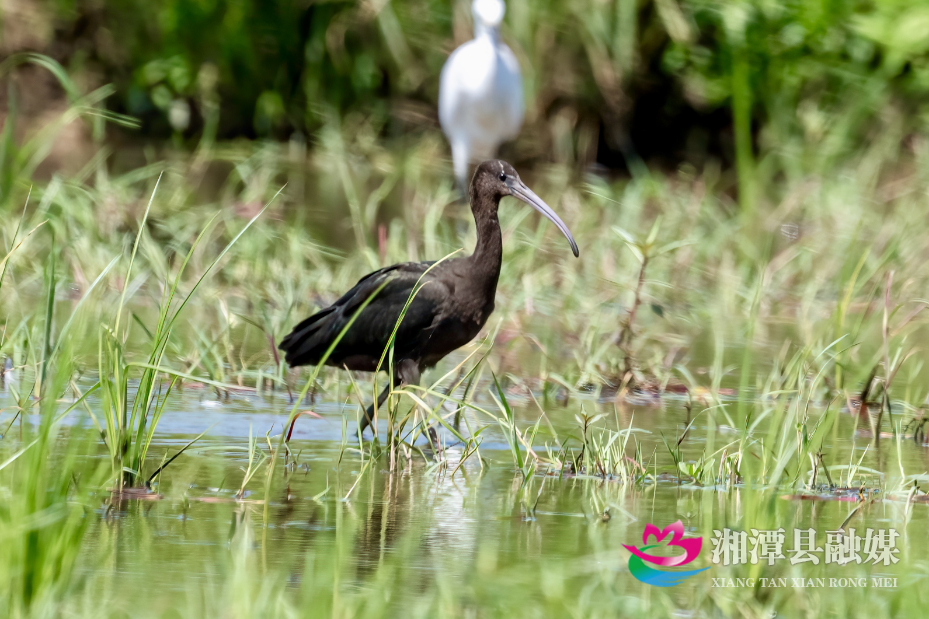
(496,179)
(488,13)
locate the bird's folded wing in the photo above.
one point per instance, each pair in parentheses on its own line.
(370,332)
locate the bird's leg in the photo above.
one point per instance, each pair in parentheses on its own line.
(409,373)
(369,413)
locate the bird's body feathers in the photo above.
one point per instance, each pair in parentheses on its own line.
(427,333)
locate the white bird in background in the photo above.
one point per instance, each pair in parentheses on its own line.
(480,92)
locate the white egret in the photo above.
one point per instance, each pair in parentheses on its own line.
(480,92)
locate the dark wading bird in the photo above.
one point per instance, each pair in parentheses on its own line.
(451,307)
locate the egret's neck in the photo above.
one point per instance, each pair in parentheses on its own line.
(488,253)
(483,31)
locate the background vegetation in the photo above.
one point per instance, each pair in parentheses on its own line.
(797,84)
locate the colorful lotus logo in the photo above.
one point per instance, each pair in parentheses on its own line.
(658,578)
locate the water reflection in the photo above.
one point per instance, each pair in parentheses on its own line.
(434,524)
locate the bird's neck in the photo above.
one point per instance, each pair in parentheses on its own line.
(488,253)
(483,31)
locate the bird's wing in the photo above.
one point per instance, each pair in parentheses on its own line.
(362,345)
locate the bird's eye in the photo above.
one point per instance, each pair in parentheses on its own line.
(502,176)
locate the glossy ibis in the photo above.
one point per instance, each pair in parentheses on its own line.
(451,307)
(480,92)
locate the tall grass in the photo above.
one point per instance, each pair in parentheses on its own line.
(47,483)
(131,418)
(784,431)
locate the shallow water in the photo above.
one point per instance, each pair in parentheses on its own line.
(456,528)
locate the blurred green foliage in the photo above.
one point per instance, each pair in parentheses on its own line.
(808,81)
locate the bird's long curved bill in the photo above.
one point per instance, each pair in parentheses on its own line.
(519,190)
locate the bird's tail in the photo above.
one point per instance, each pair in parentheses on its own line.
(302,345)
